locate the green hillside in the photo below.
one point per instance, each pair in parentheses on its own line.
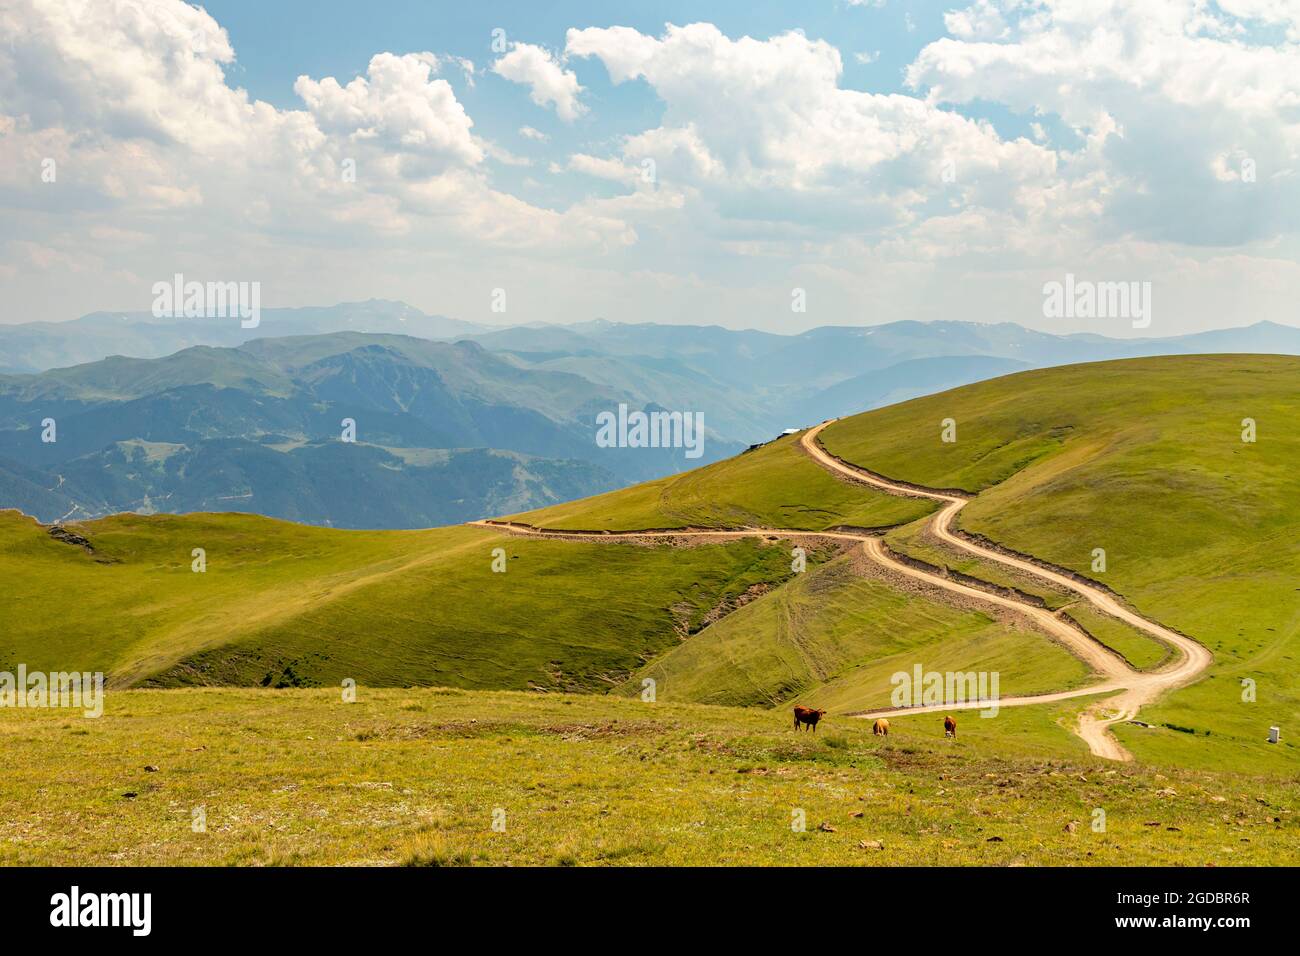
(1141,650)
(1145,459)
(834,637)
(774,486)
(284,605)
(1142,458)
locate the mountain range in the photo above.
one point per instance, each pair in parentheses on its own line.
(37,346)
(442,433)
(454,421)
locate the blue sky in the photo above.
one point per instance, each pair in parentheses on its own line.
(704,162)
(278,42)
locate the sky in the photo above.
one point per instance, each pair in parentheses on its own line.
(755,165)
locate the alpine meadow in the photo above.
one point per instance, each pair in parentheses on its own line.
(859,437)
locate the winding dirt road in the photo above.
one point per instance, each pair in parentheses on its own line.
(1136,688)
(1130,689)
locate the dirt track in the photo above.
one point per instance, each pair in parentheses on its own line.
(1134,688)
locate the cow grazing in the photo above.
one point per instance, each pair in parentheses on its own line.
(806,715)
(881,727)
(949,727)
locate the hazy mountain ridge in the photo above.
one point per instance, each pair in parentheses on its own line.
(444,433)
(261,408)
(38,346)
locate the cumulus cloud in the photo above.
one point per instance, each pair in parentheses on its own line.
(397,105)
(611,169)
(1155,140)
(129,101)
(771,114)
(149,70)
(980,21)
(1170,85)
(550,84)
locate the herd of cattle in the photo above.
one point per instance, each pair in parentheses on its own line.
(809,716)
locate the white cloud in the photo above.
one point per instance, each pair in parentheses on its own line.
(770,114)
(980,21)
(611,169)
(1285,13)
(1169,86)
(397,105)
(502,155)
(130,100)
(466,66)
(550,83)
(1143,128)
(151,71)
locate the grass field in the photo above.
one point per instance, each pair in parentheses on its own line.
(1144,459)
(775,486)
(287,605)
(415,776)
(1139,649)
(834,637)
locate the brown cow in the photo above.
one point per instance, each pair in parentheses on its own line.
(806,715)
(949,727)
(881,727)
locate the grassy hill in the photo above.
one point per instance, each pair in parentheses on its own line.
(833,637)
(775,486)
(1143,458)
(286,605)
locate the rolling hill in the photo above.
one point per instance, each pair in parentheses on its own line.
(749,384)
(773,486)
(282,604)
(1143,458)
(541,667)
